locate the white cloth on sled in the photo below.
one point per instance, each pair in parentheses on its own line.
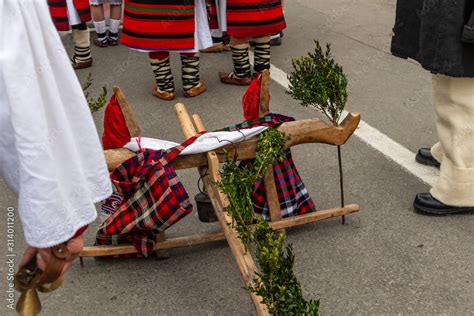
(204,143)
(50,153)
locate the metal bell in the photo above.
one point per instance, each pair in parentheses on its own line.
(29,303)
(205,209)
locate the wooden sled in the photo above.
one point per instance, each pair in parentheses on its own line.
(300,132)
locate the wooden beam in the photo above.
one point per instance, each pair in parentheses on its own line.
(132,124)
(170,243)
(264,102)
(314,217)
(300,132)
(187,126)
(219,201)
(271,194)
(187,241)
(161,253)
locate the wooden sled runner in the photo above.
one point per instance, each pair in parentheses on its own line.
(300,132)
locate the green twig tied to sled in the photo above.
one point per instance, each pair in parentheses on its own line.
(276,282)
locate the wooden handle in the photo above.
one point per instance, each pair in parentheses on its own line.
(31,277)
(299,132)
(132,124)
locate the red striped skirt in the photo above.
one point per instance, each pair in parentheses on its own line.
(159,24)
(58,11)
(254,18)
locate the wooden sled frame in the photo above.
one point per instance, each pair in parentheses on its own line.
(299,132)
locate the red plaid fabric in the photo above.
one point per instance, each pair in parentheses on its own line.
(153,200)
(292,193)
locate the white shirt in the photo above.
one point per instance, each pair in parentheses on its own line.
(50,153)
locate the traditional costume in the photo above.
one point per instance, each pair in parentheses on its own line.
(440,36)
(105,39)
(257,19)
(50,154)
(159,27)
(74,14)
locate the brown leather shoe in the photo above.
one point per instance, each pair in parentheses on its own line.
(217,48)
(200,88)
(163,95)
(82,65)
(228,78)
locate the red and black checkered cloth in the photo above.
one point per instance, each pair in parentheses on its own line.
(153,200)
(292,194)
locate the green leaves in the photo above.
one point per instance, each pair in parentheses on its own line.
(237,183)
(276,282)
(94,104)
(318,81)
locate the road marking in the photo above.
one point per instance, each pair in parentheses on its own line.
(378,141)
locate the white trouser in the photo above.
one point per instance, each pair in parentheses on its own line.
(453,99)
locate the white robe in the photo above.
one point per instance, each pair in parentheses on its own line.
(50,153)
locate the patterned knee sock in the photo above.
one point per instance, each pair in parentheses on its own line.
(190,70)
(101,30)
(240,57)
(82,50)
(114,29)
(163,75)
(262,54)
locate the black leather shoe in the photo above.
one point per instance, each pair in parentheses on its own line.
(426,204)
(425,157)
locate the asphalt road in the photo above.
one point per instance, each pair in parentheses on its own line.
(385,260)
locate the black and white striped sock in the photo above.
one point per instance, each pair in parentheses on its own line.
(190,71)
(262,54)
(163,75)
(81,54)
(240,57)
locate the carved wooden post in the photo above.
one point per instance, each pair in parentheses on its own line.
(270,187)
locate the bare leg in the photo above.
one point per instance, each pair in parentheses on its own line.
(115,16)
(99,25)
(116,12)
(97,12)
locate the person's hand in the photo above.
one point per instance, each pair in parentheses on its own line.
(43,255)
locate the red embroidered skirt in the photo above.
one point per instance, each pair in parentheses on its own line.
(254,18)
(159,25)
(58,11)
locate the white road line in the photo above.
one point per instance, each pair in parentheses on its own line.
(378,140)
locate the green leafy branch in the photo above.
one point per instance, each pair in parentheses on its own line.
(318,81)
(276,282)
(94,104)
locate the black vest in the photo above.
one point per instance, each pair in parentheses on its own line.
(439,34)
